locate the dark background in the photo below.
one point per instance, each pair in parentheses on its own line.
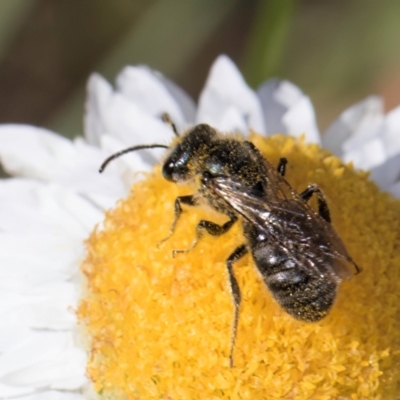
(337,51)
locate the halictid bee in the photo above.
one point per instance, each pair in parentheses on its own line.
(296,250)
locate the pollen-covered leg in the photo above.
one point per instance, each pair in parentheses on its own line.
(323,209)
(210,227)
(235,289)
(189,201)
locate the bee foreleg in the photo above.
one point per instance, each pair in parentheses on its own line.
(235,290)
(210,227)
(323,209)
(187,200)
(282,166)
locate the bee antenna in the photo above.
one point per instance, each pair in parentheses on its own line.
(128,150)
(168,120)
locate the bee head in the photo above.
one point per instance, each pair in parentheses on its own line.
(185,158)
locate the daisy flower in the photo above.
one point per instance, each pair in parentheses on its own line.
(145,325)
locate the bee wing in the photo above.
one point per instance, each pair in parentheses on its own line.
(285,218)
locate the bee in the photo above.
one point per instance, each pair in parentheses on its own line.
(296,250)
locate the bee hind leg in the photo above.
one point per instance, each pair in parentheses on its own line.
(323,209)
(236,295)
(210,227)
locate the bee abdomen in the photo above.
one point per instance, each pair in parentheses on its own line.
(305,296)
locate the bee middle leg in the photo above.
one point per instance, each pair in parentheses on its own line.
(210,227)
(187,200)
(235,290)
(323,209)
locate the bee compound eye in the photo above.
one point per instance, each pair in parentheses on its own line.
(168,170)
(177,170)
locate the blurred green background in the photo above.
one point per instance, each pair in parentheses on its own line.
(337,51)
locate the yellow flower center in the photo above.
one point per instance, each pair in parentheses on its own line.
(160,326)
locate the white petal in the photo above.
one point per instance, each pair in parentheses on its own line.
(47,207)
(7,391)
(38,349)
(365,147)
(354,126)
(47,156)
(274,108)
(46,307)
(32,207)
(120,117)
(64,371)
(367,155)
(143,87)
(232,121)
(387,173)
(98,95)
(133,164)
(29,151)
(391,135)
(395,190)
(53,395)
(300,119)
(13,332)
(130,124)
(185,102)
(104,202)
(32,305)
(288,110)
(78,210)
(84,176)
(225,88)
